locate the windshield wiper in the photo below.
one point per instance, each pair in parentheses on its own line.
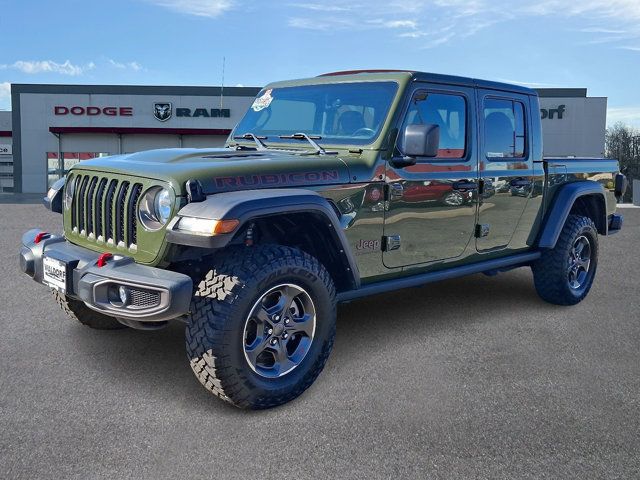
(260,145)
(309,138)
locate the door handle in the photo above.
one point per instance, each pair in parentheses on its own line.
(520,182)
(395,191)
(464,185)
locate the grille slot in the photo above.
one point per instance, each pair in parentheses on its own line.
(105,209)
(108,209)
(132,226)
(74,206)
(120,213)
(90,205)
(144,298)
(81,205)
(99,209)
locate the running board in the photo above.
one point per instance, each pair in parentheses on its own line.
(511,261)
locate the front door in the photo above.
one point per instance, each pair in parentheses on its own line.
(430,209)
(506,166)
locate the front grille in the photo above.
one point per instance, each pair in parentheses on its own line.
(144,298)
(104,210)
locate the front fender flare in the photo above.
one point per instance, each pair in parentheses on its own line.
(247,205)
(563,201)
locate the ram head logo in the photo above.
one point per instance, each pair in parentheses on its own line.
(162,111)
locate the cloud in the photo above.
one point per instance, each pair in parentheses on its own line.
(317,7)
(401,24)
(628,115)
(320,24)
(627,10)
(528,84)
(48,66)
(200,8)
(5,90)
(434,21)
(610,31)
(134,66)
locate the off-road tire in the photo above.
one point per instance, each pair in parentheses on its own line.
(79,312)
(550,272)
(223,299)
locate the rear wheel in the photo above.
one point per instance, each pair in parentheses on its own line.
(262,325)
(564,274)
(78,311)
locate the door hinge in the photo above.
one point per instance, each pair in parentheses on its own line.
(390,242)
(482,230)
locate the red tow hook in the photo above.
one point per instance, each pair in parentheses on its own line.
(41,236)
(102,259)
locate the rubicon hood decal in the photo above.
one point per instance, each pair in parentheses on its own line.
(279,179)
(224,169)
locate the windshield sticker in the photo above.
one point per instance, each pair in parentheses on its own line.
(263,101)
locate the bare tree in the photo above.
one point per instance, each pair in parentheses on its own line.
(622,142)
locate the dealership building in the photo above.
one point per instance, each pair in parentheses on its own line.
(51,127)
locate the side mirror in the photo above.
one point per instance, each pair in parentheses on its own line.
(421,140)
(620,185)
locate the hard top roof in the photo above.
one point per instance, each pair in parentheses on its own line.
(406,75)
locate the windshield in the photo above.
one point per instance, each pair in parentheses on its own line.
(339,113)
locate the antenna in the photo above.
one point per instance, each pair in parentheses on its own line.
(222,85)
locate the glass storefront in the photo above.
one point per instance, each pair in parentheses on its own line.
(58,167)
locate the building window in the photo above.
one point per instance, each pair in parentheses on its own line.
(504,128)
(58,168)
(447,111)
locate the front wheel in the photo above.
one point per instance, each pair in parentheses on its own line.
(261,325)
(564,274)
(78,311)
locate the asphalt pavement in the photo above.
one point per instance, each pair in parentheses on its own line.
(469,378)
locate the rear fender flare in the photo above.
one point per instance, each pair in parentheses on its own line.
(562,204)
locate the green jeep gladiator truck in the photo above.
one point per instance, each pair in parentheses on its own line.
(329,189)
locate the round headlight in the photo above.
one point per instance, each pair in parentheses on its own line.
(162,205)
(69,190)
(154,209)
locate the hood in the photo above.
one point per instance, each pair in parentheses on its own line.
(225,169)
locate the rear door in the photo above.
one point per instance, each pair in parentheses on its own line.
(506,166)
(430,209)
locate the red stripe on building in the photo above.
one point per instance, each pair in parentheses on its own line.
(5,133)
(145,131)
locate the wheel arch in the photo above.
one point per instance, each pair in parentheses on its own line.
(586,198)
(292,217)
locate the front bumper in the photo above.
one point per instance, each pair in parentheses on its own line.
(155,295)
(615,223)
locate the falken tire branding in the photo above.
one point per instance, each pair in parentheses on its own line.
(267,180)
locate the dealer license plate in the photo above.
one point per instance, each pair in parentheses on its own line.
(55,273)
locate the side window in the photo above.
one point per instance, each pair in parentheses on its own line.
(504,128)
(446,110)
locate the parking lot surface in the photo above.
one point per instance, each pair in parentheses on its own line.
(470,378)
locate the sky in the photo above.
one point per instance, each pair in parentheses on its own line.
(545,43)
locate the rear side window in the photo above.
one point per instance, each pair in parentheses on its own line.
(504,128)
(446,110)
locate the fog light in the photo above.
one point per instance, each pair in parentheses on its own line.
(123,292)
